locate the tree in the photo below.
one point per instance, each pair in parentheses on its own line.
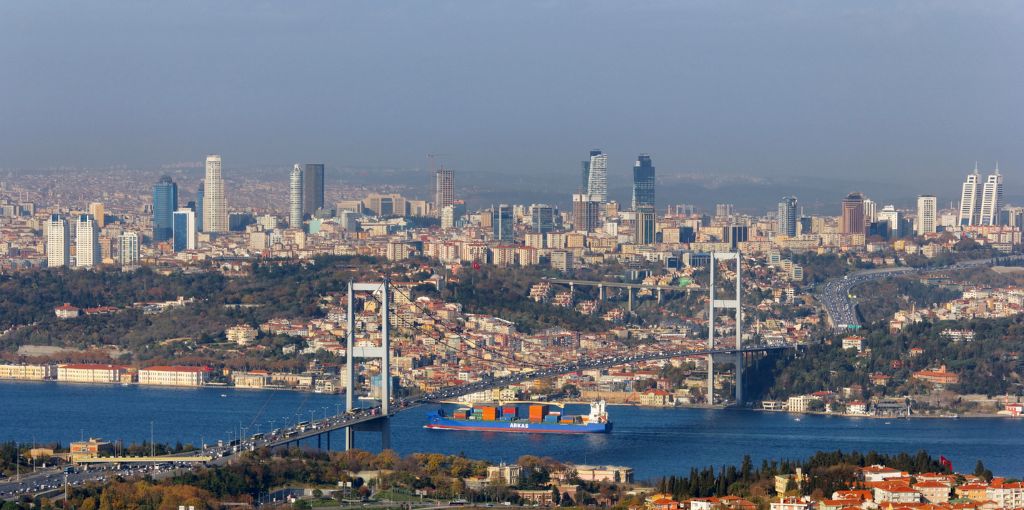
(556,497)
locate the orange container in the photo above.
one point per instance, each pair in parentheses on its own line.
(490,414)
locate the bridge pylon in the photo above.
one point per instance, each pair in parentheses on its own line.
(734,304)
(382,353)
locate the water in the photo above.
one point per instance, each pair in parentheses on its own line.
(652,441)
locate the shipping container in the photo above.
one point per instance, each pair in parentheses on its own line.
(490,414)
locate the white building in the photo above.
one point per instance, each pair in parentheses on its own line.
(58,242)
(89,373)
(173,376)
(184,232)
(129,249)
(891,215)
(597,182)
(87,242)
(215,207)
(992,199)
(927,210)
(295,197)
(970,200)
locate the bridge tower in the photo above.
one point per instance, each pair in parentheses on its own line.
(713,304)
(383,353)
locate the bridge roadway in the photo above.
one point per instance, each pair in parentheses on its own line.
(617,285)
(834,295)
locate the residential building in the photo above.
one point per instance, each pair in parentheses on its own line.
(656,398)
(787,217)
(585,212)
(242,334)
(504,474)
(927,211)
(444,188)
(87,242)
(643,183)
(295,191)
(129,249)
(184,230)
(58,242)
(312,189)
(97,212)
(215,207)
(165,202)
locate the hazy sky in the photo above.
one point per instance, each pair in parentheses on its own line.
(860,89)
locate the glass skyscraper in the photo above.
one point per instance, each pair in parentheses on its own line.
(165,202)
(502,221)
(312,189)
(787,217)
(184,230)
(643,183)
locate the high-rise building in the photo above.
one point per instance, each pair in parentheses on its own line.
(870,211)
(585,174)
(736,234)
(87,242)
(992,199)
(597,177)
(312,188)
(927,211)
(444,188)
(787,217)
(643,182)
(200,196)
(853,214)
(165,202)
(724,210)
(58,242)
(295,191)
(215,206)
(184,230)
(644,232)
(503,223)
(96,210)
(890,215)
(585,212)
(542,218)
(970,199)
(129,249)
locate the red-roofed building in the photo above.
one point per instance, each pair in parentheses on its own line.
(939,376)
(91,373)
(66,311)
(174,376)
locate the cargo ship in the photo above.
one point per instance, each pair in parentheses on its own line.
(539,419)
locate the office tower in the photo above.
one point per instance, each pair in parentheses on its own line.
(597,177)
(643,182)
(184,230)
(215,207)
(129,249)
(992,199)
(542,218)
(87,242)
(970,200)
(870,211)
(585,212)
(787,217)
(444,188)
(927,210)
(890,215)
(295,191)
(165,202)
(736,234)
(96,210)
(585,174)
(853,214)
(312,189)
(58,242)
(200,195)
(502,223)
(724,210)
(644,233)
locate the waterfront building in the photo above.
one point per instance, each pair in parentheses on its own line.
(129,249)
(174,376)
(92,373)
(597,177)
(643,183)
(312,189)
(28,372)
(295,191)
(165,202)
(444,189)
(927,210)
(184,230)
(991,199)
(787,217)
(852,221)
(255,379)
(215,207)
(58,242)
(87,242)
(503,223)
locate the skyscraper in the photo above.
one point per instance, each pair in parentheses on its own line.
(870,211)
(184,230)
(58,242)
(542,218)
(503,223)
(890,215)
(200,196)
(585,212)
(129,249)
(927,210)
(312,188)
(597,178)
(165,202)
(853,214)
(992,199)
(96,210)
(215,207)
(585,174)
(87,242)
(295,192)
(970,199)
(643,182)
(444,189)
(645,225)
(787,217)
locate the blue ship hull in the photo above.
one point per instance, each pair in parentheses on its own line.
(445,423)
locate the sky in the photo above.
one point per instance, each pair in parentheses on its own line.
(906,92)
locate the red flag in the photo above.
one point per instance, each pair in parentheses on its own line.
(476,265)
(946,463)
